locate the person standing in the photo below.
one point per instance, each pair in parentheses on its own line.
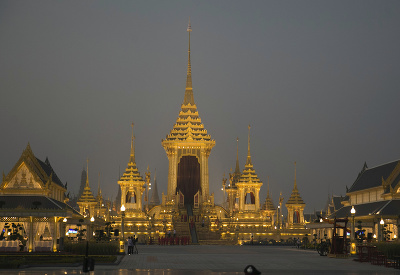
(130,245)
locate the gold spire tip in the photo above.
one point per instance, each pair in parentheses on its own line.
(189,28)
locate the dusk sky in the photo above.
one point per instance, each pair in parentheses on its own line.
(319,82)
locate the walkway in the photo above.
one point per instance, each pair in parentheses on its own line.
(210,259)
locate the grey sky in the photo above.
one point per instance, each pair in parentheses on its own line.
(317,80)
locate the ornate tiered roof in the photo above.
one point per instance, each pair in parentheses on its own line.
(295,197)
(249,174)
(188,126)
(269,205)
(131,173)
(87,195)
(154,194)
(235,177)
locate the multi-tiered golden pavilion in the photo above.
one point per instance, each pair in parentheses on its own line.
(188,147)
(188,207)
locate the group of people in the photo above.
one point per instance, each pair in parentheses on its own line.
(132,244)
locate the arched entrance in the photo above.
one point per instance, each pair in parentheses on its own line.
(188,181)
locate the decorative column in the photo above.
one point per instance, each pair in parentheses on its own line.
(257,199)
(31,234)
(55,231)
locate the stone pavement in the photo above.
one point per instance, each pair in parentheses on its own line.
(213,259)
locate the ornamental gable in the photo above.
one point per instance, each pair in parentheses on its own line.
(23,179)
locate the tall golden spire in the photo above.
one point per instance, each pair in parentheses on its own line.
(131,172)
(87,172)
(87,195)
(132,156)
(295,197)
(237,169)
(98,187)
(189,89)
(295,182)
(269,204)
(248,162)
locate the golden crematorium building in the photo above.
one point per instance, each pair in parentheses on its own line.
(188,208)
(33,200)
(33,209)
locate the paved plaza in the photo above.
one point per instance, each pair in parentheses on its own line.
(212,259)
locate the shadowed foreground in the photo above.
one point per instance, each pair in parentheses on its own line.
(209,259)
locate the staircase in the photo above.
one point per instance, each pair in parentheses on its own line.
(193,232)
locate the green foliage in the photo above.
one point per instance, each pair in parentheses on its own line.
(6,263)
(95,248)
(389,249)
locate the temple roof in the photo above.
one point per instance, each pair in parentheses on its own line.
(131,173)
(25,205)
(235,176)
(249,174)
(43,170)
(188,126)
(154,194)
(373,177)
(295,197)
(269,204)
(380,208)
(46,166)
(87,195)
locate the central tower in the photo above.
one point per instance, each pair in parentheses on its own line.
(188,147)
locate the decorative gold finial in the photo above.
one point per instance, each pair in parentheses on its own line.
(189,28)
(237,168)
(87,172)
(189,90)
(248,162)
(98,187)
(132,156)
(295,183)
(132,136)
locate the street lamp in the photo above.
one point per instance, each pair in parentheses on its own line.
(352,234)
(122,241)
(65,227)
(278,216)
(382,223)
(92,228)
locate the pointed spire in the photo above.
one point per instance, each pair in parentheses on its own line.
(248,162)
(132,156)
(98,187)
(87,195)
(295,197)
(189,89)
(154,195)
(295,182)
(87,173)
(269,204)
(237,169)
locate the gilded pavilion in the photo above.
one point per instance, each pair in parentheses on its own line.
(32,195)
(33,205)
(188,202)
